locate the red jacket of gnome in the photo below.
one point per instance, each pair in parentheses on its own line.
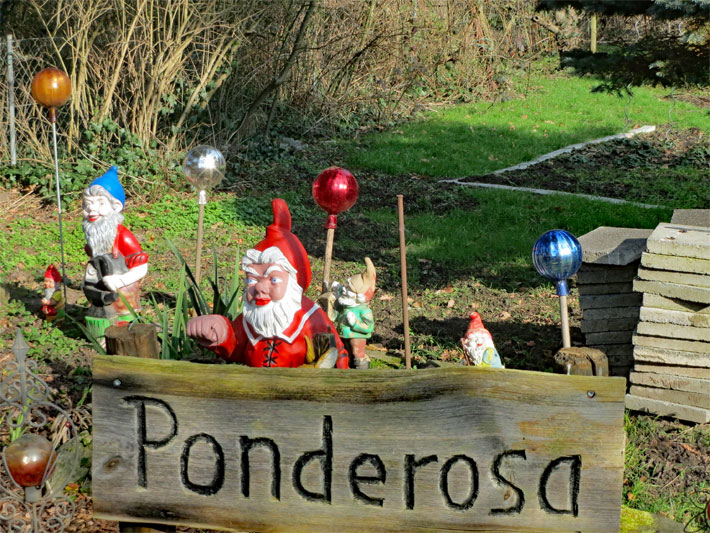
(126,245)
(289,348)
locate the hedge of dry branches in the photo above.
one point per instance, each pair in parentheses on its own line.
(175,71)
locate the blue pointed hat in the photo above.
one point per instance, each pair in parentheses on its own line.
(109,181)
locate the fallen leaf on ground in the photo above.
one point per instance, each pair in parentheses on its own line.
(505,315)
(450,303)
(386,297)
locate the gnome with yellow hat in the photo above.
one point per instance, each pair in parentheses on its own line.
(354,317)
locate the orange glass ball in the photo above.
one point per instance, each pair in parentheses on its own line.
(51,87)
(27,459)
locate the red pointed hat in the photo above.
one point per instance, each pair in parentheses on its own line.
(475,323)
(279,234)
(53,273)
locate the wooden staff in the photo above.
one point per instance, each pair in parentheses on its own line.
(330,236)
(565,322)
(403,263)
(200,222)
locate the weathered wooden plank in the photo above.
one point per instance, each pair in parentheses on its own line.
(455,449)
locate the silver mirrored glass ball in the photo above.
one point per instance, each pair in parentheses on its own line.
(204,167)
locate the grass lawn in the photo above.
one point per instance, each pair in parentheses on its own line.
(547,114)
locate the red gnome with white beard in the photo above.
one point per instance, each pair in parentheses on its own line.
(279,326)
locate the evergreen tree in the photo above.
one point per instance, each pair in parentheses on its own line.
(659,57)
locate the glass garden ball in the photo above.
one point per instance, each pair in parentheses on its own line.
(27,459)
(51,87)
(335,190)
(204,167)
(557,255)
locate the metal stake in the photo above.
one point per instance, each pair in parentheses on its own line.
(403,266)
(11,100)
(53,119)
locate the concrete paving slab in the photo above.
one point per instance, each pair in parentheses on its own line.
(681,278)
(608,324)
(608,337)
(693,399)
(605,288)
(589,273)
(675,263)
(691,217)
(613,246)
(626,361)
(622,350)
(674,304)
(655,355)
(610,300)
(662,408)
(675,332)
(675,370)
(671,344)
(611,312)
(620,371)
(680,239)
(666,316)
(673,290)
(669,381)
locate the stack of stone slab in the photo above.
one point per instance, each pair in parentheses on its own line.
(671,374)
(610,307)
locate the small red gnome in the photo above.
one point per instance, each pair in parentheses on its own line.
(478,345)
(52,298)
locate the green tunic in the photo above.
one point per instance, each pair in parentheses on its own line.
(363,326)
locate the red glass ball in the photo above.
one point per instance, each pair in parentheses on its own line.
(51,87)
(335,190)
(27,459)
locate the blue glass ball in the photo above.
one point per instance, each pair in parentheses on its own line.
(557,255)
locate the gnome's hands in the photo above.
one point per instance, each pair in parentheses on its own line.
(350,318)
(113,283)
(209,330)
(118,281)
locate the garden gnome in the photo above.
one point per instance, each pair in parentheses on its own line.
(478,345)
(354,316)
(52,297)
(117,262)
(279,325)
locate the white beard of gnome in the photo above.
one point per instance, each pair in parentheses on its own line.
(272,319)
(101,234)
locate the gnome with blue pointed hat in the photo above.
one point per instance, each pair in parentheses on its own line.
(117,262)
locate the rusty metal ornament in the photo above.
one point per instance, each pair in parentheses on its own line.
(335,190)
(34,500)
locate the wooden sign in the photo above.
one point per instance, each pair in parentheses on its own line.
(456,449)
